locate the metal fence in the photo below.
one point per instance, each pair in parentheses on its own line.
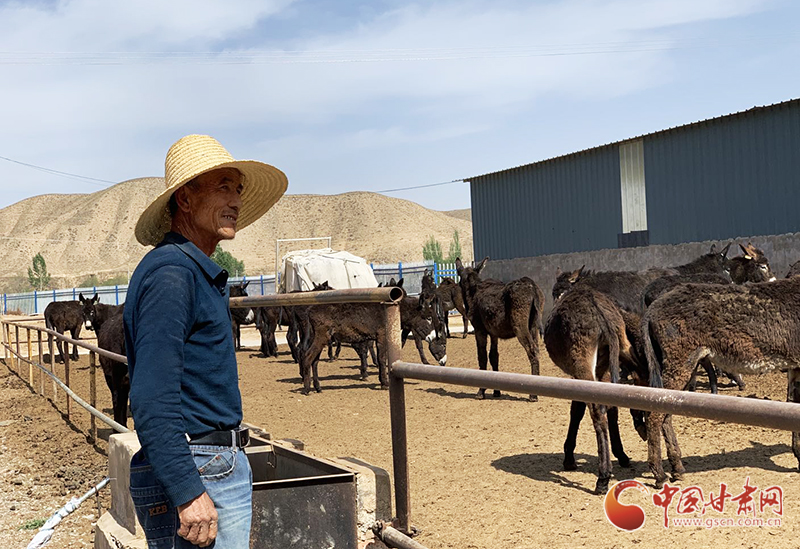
(31,303)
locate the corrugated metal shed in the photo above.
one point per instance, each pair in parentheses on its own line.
(735,175)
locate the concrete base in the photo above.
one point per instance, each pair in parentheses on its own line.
(119,529)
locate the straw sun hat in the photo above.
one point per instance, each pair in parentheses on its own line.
(195,155)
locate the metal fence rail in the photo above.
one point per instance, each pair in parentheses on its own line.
(14,353)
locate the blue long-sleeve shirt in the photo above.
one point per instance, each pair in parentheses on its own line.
(181,361)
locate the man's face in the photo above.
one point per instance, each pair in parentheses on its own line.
(214,201)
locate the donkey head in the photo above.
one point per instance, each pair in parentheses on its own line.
(564,281)
(469,278)
(321,287)
(753,266)
(244,316)
(88,310)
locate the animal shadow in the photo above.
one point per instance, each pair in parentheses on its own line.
(472,394)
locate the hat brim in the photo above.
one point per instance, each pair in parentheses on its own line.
(263,187)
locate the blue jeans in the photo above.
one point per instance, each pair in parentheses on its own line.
(226,474)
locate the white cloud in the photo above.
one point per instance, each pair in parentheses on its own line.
(501,60)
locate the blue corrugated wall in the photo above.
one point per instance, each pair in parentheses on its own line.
(549,207)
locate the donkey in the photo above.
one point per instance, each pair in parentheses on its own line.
(743,329)
(355,323)
(753,266)
(240,316)
(587,338)
(111,337)
(449,296)
(501,311)
(63,316)
(627,287)
(794,270)
(414,323)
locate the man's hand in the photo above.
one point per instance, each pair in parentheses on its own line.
(198,521)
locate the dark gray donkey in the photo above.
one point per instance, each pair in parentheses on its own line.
(627,287)
(65,316)
(501,311)
(744,329)
(450,297)
(587,338)
(240,316)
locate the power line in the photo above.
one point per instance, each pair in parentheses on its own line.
(90,180)
(420,186)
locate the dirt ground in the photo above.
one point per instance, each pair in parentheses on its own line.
(484,474)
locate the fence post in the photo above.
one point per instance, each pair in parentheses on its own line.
(262,284)
(74,298)
(52,363)
(399,270)
(93,392)
(116,295)
(397,411)
(54,294)
(435,273)
(66,376)
(19,353)
(35,302)
(5,303)
(41,361)
(30,353)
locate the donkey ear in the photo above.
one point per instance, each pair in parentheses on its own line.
(724,252)
(392,282)
(746,252)
(400,283)
(80,296)
(459,265)
(559,272)
(96,298)
(380,284)
(713,249)
(481,265)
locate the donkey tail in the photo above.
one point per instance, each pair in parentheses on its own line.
(653,362)
(534,318)
(611,334)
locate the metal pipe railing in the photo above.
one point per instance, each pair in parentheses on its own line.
(355,295)
(18,357)
(761,413)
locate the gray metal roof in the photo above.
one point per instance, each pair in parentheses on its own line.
(754,110)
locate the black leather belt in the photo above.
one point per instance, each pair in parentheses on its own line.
(237,437)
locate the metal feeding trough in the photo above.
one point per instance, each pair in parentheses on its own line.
(299,501)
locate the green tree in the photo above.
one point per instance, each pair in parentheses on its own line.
(455,248)
(432,250)
(228,262)
(37,276)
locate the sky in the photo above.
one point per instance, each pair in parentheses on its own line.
(369,95)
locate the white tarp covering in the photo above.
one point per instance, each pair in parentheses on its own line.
(342,270)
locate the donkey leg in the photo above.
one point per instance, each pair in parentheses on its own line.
(76,333)
(480,343)
(654,422)
(383,367)
(600,422)
(616,441)
(673,450)
(576,411)
(420,350)
(466,326)
(494,359)
(530,343)
(361,350)
(315,369)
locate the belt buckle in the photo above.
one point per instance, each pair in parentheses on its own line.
(241,437)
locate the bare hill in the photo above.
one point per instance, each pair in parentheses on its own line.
(83,234)
(465,214)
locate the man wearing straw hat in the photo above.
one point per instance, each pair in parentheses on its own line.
(191,483)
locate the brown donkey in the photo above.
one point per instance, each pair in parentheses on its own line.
(586,337)
(743,329)
(501,311)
